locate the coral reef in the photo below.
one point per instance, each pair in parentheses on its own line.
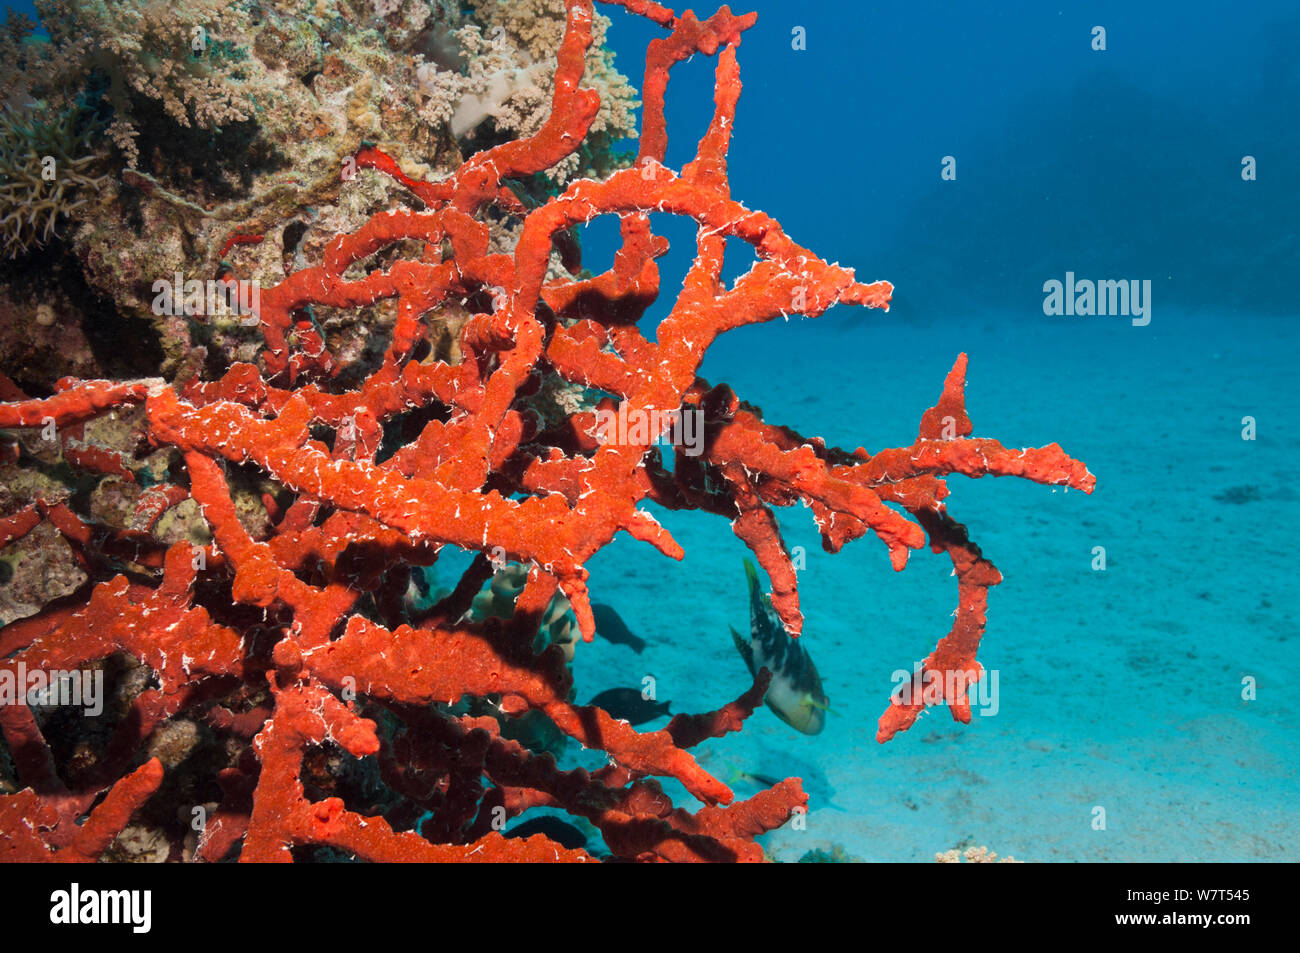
(836,855)
(268,642)
(972,855)
(210,115)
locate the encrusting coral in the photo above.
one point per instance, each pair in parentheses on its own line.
(296,633)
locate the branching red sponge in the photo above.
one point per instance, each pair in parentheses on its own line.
(347,668)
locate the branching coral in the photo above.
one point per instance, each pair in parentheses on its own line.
(176,54)
(44,161)
(299,636)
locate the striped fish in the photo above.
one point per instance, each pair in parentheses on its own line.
(795,694)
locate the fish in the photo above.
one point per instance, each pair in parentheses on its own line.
(753,777)
(795,694)
(562,832)
(767,766)
(612,629)
(778,762)
(629,705)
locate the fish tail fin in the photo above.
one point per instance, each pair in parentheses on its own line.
(756,592)
(743,647)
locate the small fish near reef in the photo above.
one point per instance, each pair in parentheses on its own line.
(795,694)
(752,777)
(562,832)
(611,628)
(628,704)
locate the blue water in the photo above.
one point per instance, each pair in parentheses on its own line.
(1119,690)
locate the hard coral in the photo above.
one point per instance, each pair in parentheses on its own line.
(239,113)
(167,52)
(299,635)
(45,160)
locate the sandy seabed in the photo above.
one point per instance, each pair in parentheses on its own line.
(1118,690)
